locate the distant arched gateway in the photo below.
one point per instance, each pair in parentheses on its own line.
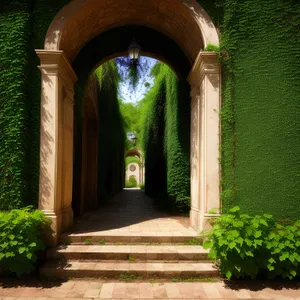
(134,168)
(79,22)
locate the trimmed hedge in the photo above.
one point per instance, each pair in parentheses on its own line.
(152,135)
(166,140)
(15,27)
(177,141)
(131,182)
(261,45)
(111,166)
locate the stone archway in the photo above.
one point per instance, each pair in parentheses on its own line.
(185,22)
(141,173)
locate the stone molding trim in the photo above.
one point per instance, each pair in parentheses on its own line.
(205,63)
(56,63)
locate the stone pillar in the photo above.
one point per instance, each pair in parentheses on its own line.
(205,139)
(56,145)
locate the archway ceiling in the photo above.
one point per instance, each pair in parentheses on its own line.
(93,17)
(115,42)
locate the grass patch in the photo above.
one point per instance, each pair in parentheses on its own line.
(129,277)
(194,279)
(66,241)
(154,280)
(131,258)
(88,241)
(101,242)
(194,241)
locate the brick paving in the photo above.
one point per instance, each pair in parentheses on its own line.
(97,289)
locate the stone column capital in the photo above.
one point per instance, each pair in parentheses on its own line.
(206,63)
(54,62)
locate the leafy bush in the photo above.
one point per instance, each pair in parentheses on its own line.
(211,47)
(131,183)
(20,239)
(142,186)
(249,246)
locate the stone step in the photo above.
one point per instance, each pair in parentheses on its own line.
(125,252)
(112,269)
(130,237)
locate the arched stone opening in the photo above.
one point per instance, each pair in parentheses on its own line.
(140,173)
(79,23)
(134,152)
(94,54)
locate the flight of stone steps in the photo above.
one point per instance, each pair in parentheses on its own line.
(140,256)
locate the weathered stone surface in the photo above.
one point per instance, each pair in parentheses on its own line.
(80,21)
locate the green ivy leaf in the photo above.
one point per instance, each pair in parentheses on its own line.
(22,250)
(271,260)
(283,256)
(235,209)
(228,274)
(207,244)
(257,234)
(231,245)
(293,272)
(270,267)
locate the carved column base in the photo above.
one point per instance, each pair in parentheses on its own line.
(51,236)
(206,221)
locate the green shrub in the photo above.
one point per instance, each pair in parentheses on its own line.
(142,186)
(251,246)
(131,183)
(20,239)
(211,47)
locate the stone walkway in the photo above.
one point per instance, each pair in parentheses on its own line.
(129,213)
(97,289)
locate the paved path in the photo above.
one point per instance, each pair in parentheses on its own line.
(97,289)
(131,212)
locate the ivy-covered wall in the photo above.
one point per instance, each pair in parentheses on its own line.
(15,28)
(23,26)
(152,135)
(111,161)
(261,49)
(166,139)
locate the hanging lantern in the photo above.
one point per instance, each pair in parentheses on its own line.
(134,139)
(134,50)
